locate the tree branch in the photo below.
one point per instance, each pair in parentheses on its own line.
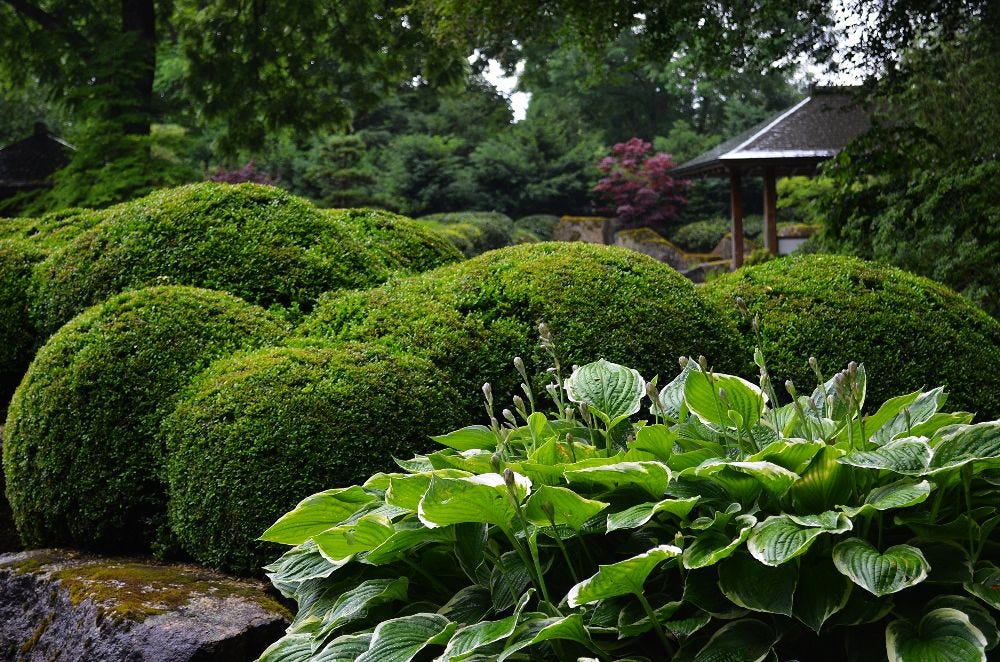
(48,21)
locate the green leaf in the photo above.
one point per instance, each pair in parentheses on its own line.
(400,639)
(792,454)
(474,460)
(978,615)
(470,604)
(482,498)
(672,395)
(547,629)
(316,514)
(406,490)
(880,574)
(290,648)
(509,580)
(650,476)
(909,456)
(900,494)
(825,484)
(821,592)
(629,625)
(943,635)
(354,604)
(701,588)
(612,391)
(888,411)
(466,640)
(745,640)
(776,480)
(758,587)
(985,584)
(622,578)
(470,550)
(701,394)
(967,444)
(345,648)
(938,421)
(639,514)
(919,411)
(655,439)
(781,538)
(405,537)
(713,545)
(300,564)
(473,436)
(569,508)
(342,542)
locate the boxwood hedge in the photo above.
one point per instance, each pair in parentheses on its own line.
(471,318)
(253,241)
(402,244)
(473,232)
(908,329)
(81,456)
(256,433)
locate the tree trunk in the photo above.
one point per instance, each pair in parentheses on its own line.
(137,66)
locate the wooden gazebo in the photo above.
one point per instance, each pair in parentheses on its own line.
(794,142)
(29,164)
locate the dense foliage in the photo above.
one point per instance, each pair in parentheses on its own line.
(638,186)
(256,433)
(911,330)
(469,317)
(720,527)
(254,241)
(472,232)
(81,456)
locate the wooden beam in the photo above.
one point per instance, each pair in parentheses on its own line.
(770,211)
(736,214)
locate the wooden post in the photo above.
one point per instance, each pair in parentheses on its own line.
(736,212)
(770,211)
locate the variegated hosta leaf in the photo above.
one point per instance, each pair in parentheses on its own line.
(650,476)
(702,396)
(900,494)
(548,629)
(791,454)
(985,584)
(612,391)
(713,545)
(745,640)
(406,490)
(655,439)
(468,639)
(821,592)
(568,508)
(672,395)
(773,478)
(400,639)
(482,498)
(345,648)
(972,443)
(473,436)
(916,412)
(316,514)
(355,603)
(878,573)
(942,635)
(290,648)
(342,542)
(637,515)
(752,585)
(909,456)
(979,615)
(622,578)
(780,538)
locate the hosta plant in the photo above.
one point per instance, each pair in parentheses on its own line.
(701,520)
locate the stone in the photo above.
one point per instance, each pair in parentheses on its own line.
(646,240)
(706,270)
(588,229)
(724,249)
(69,606)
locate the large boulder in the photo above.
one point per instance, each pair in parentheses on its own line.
(59,605)
(588,229)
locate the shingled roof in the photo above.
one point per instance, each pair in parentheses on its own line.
(793,142)
(28,164)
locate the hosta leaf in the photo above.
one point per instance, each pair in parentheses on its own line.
(400,639)
(405,490)
(900,494)
(938,421)
(950,563)
(888,411)
(300,564)
(639,514)
(631,624)
(548,629)
(655,439)
(758,587)
(701,394)
(345,648)
(290,648)
(682,628)
(908,456)
(470,604)
(418,464)
(474,460)
(920,410)
(672,395)
(610,390)
(792,454)
(825,484)
(713,545)
(985,584)
(968,444)
(355,603)
(405,537)
(978,615)
(943,635)
(316,514)
(821,592)
(780,538)
(482,498)
(775,479)
(470,550)
(701,588)
(466,640)
(652,477)
(897,568)
(569,508)
(342,542)
(620,578)
(473,436)
(842,402)
(745,640)
(508,581)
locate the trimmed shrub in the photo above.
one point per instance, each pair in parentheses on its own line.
(400,243)
(541,225)
(9,540)
(471,318)
(912,331)
(473,232)
(253,241)
(81,456)
(17,334)
(256,433)
(701,236)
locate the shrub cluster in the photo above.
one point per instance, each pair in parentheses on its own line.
(911,330)
(701,236)
(81,452)
(473,232)
(540,225)
(471,317)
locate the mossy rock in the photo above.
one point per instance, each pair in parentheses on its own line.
(256,242)
(471,319)
(402,244)
(255,434)
(472,232)
(910,332)
(81,456)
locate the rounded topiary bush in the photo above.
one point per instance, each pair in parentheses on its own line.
(17,333)
(909,331)
(400,243)
(81,456)
(472,318)
(472,232)
(540,225)
(256,242)
(254,434)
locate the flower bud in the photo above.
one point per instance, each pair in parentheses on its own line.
(508,478)
(682,361)
(518,403)
(488,393)
(507,414)
(519,364)
(755,324)
(813,363)
(496,462)
(543,331)
(741,306)
(790,387)
(703,363)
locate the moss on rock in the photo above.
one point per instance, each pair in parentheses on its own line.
(909,331)
(81,457)
(256,433)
